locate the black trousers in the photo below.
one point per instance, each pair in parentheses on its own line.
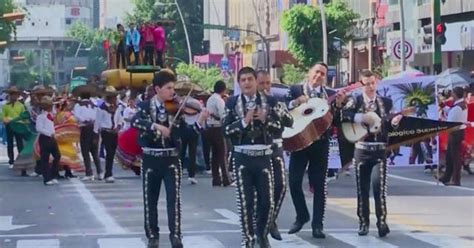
(156,170)
(454,158)
(135,53)
(149,47)
(110,140)
(189,140)
(279,180)
(49,147)
(315,158)
(254,177)
(220,173)
(370,168)
(19,143)
(120,56)
(159,59)
(89,142)
(206,150)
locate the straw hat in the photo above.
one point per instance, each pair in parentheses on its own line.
(13,90)
(110,91)
(41,90)
(91,89)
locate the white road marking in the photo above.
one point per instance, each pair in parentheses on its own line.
(440,240)
(428,182)
(6,224)
(206,241)
(38,243)
(231,218)
(292,241)
(97,209)
(121,243)
(362,242)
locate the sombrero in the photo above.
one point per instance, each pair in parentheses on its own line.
(110,91)
(91,89)
(46,101)
(41,90)
(12,90)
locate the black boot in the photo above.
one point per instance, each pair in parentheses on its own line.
(318,233)
(153,243)
(274,232)
(176,242)
(383,230)
(467,168)
(363,230)
(263,242)
(297,226)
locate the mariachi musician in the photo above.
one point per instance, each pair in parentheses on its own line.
(250,122)
(316,154)
(158,122)
(369,155)
(278,163)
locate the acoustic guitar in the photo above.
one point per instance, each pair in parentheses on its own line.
(355,132)
(310,121)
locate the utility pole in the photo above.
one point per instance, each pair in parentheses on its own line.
(325,33)
(402,37)
(435,19)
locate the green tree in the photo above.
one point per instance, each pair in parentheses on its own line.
(25,73)
(292,74)
(303,24)
(150,11)
(93,39)
(206,78)
(6,28)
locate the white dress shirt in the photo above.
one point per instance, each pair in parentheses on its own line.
(457,114)
(104,119)
(44,125)
(84,114)
(247,99)
(128,114)
(216,106)
(292,104)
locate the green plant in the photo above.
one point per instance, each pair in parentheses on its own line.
(292,74)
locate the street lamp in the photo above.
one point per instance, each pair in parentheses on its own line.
(158,3)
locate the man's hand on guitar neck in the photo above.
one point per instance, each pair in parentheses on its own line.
(340,98)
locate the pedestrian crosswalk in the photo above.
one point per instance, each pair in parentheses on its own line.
(334,239)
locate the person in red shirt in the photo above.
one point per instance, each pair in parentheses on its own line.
(149,44)
(160,43)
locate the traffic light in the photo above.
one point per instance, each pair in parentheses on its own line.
(440,30)
(427,34)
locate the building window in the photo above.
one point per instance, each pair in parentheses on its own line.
(68,21)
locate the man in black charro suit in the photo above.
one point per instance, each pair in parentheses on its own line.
(313,157)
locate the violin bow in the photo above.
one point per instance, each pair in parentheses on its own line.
(181,106)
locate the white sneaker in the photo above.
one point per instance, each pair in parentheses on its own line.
(101,176)
(55,181)
(109,180)
(329,179)
(87,178)
(10,167)
(50,182)
(192,180)
(33,174)
(208,172)
(427,170)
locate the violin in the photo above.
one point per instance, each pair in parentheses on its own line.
(188,107)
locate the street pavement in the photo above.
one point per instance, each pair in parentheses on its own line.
(99,215)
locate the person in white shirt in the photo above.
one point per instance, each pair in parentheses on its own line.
(189,139)
(85,113)
(108,124)
(47,142)
(214,136)
(458,113)
(128,114)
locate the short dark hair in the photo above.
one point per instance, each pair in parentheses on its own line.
(322,63)
(458,92)
(119,25)
(262,72)
(246,70)
(163,77)
(219,87)
(365,73)
(85,95)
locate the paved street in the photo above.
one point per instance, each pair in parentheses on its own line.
(95,214)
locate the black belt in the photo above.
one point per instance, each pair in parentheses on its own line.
(109,130)
(157,153)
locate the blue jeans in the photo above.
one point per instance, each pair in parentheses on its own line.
(3,134)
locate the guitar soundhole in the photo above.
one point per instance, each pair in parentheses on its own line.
(308,111)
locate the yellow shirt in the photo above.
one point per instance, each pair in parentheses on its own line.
(11,111)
